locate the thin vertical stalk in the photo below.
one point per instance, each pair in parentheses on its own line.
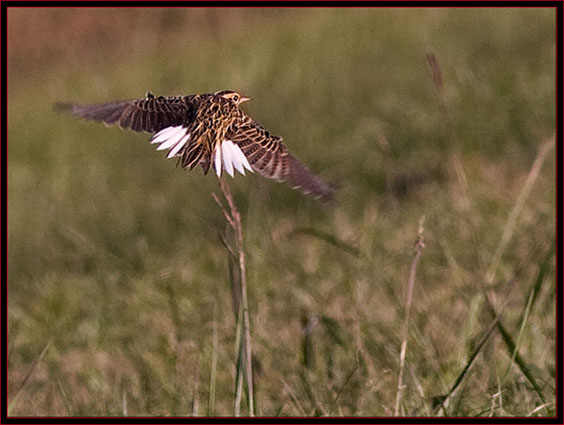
(233,217)
(213,368)
(419,245)
(511,223)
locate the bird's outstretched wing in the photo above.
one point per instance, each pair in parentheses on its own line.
(270,158)
(150,114)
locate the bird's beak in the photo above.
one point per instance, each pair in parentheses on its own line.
(244,99)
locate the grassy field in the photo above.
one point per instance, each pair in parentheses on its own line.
(119,290)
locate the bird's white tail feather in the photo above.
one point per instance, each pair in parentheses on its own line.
(172,139)
(178,146)
(164,134)
(218,161)
(233,157)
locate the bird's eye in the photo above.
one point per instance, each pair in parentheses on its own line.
(235,98)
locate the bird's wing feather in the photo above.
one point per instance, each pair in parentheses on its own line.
(270,158)
(150,114)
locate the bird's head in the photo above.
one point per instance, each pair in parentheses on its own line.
(233,96)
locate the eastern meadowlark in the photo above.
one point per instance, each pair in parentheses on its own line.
(209,129)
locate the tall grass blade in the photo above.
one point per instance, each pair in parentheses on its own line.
(546,147)
(308,353)
(244,355)
(28,374)
(348,378)
(520,335)
(195,396)
(419,245)
(294,398)
(462,374)
(329,238)
(506,336)
(64,397)
(124,403)
(213,367)
(239,363)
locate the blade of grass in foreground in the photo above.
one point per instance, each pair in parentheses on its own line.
(28,375)
(419,245)
(213,367)
(546,147)
(510,225)
(243,331)
(329,238)
(442,399)
(512,347)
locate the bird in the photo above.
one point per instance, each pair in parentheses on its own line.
(208,129)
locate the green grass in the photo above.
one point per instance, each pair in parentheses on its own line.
(114,259)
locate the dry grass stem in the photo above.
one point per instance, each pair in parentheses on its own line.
(28,374)
(512,347)
(350,375)
(419,245)
(294,398)
(233,217)
(479,346)
(213,367)
(436,75)
(546,147)
(195,386)
(124,403)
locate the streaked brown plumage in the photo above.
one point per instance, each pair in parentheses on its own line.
(209,129)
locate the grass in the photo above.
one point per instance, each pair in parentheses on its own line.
(419,245)
(244,363)
(119,288)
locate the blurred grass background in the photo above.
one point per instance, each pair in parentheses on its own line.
(115,268)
